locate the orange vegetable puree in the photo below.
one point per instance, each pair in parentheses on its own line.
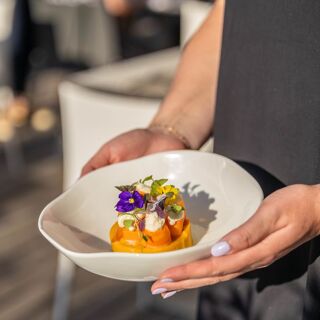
(135,243)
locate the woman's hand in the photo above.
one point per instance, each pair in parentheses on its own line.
(130,145)
(285,220)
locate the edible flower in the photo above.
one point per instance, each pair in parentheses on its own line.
(158,187)
(170,188)
(129,201)
(172,192)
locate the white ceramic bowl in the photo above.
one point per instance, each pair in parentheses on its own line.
(219,196)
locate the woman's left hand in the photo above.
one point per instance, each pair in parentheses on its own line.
(286,219)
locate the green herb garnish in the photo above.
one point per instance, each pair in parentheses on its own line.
(129,188)
(161,182)
(176,208)
(128,223)
(147,179)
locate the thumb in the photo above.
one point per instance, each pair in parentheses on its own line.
(100,159)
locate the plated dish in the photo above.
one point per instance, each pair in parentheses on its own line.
(151,218)
(218,196)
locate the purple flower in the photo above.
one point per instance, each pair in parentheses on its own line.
(129,201)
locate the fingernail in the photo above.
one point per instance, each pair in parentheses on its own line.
(220,249)
(166,280)
(159,290)
(169,294)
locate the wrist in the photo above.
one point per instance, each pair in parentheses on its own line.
(172,132)
(164,142)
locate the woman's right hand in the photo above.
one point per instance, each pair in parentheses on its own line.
(131,145)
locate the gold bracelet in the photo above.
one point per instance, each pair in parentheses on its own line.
(170,130)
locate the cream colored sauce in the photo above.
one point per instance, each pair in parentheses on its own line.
(153,222)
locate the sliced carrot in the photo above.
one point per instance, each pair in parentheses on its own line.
(159,237)
(177,228)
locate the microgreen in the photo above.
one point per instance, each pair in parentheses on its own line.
(160,212)
(161,182)
(176,208)
(142,224)
(175,211)
(154,188)
(129,188)
(147,198)
(147,179)
(128,223)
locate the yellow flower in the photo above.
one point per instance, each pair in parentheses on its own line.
(170,189)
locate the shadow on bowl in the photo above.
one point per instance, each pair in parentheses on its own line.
(199,209)
(198,205)
(72,238)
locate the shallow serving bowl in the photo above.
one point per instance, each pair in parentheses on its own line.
(219,196)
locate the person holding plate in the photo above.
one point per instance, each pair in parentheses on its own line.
(251,74)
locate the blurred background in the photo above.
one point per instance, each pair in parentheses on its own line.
(70,70)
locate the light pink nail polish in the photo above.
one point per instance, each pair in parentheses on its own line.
(220,249)
(169,294)
(159,290)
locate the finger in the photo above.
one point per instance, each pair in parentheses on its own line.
(176,286)
(87,168)
(249,233)
(191,283)
(196,269)
(262,254)
(100,159)
(211,267)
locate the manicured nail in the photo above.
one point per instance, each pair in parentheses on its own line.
(166,280)
(169,294)
(159,290)
(220,249)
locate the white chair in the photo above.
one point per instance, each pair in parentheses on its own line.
(91,117)
(92,113)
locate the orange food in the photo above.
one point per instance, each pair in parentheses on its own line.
(121,244)
(129,237)
(160,237)
(176,229)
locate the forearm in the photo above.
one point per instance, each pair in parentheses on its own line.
(122,7)
(190,103)
(316,189)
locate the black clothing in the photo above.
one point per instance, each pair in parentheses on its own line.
(289,289)
(268,108)
(268,116)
